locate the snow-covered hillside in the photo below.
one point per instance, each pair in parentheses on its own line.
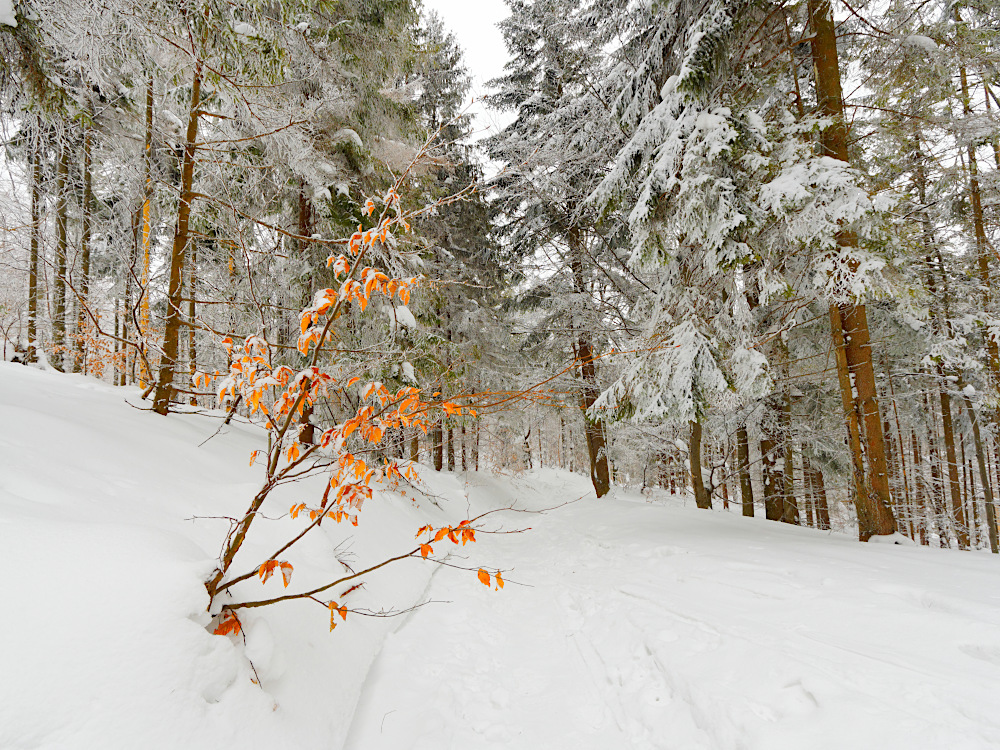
(625,623)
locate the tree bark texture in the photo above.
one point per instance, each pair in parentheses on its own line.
(172,324)
(850,323)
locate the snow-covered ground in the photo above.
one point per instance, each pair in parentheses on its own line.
(625,623)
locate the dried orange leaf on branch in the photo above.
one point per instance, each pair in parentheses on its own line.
(484,577)
(228,625)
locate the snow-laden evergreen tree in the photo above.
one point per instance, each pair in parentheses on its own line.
(553,155)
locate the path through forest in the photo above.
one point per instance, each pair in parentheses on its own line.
(627,624)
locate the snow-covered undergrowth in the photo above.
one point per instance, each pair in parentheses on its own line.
(624,623)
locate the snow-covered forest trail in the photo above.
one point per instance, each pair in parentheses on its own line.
(634,625)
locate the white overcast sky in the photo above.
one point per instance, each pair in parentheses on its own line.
(473,22)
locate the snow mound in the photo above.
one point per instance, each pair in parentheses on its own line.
(110,520)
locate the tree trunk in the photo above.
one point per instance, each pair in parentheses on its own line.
(192,314)
(701,496)
(451,448)
(600,473)
(147,228)
(771,474)
(822,507)
(83,287)
(984,478)
(850,323)
(465,463)
(437,446)
(172,324)
(743,457)
(59,340)
(957,508)
(978,225)
(789,506)
(36,236)
(414,445)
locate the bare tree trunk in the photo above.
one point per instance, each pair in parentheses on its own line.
(743,457)
(984,478)
(36,236)
(808,492)
(465,463)
(600,473)
(451,448)
(978,224)
(83,286)
(957,508)
(789,506)
(147,229)
(59,341)
(414,445)
(772,476)
(701,496)
(850,323)
(919,490)
(822,507)
(172,325)
(437,445)
(192,314)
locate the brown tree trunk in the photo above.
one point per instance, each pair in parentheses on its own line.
(919,490)
(59,340)
(414,445)
(849,323)
(465,463)
(789,506)
(192,315)
(83,284)
(437,445)
(984,478)
(743,457)
(451,448)
(822,507)
(146,229)
(772,476)
(600,472)
(172,324)
(978,224)
(35,240)
(957,508)
(701,496)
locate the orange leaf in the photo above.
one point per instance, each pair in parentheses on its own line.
(441,533)
(228,625)
(266,570)
(499,580)
(426,549)
(253,457)
(286,573)
(484,577)
(404,295)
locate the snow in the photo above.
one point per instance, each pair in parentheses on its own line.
(7,17)
(632,622)
(400,315)
(921,42)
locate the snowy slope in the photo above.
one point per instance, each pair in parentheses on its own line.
(624,623)
(109,522)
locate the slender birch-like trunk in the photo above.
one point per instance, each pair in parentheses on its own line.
(172,325)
